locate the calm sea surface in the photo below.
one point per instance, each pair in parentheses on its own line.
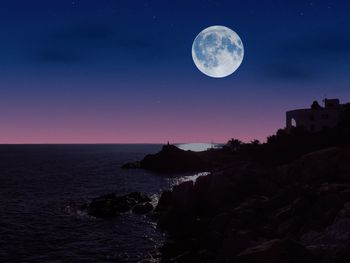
(42,188)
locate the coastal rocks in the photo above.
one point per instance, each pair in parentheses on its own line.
(164,201)
(132,165)
(143,208)
(330,165)
(183,196)
(112,205)
(171,159)
(334,240)
(276,251)
(176,207)
(299,212)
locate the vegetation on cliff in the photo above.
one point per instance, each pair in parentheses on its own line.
(286,200)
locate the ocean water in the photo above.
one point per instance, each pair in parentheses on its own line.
(42,188)
(198,147)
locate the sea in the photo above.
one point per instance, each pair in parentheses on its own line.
(42,188)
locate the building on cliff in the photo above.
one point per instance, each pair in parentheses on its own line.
(316,118)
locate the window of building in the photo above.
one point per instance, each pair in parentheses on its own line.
(294,122)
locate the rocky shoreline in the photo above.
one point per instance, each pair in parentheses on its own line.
(112,205)
(248,212)
(171,159)
(283,201)
(298,212)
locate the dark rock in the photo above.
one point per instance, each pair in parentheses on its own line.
(219,222)
(132,165)
(173,159)
(138,197)
(334,240)
(112,205)
(104,206)
(142,208)
(182,197)
(164,201)
(276,251)
(234,242)
(177,208)
(214,193)
(325,166)
(301,207)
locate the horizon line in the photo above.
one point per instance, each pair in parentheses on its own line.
(107,143)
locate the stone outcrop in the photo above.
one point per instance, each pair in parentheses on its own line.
(171,159)
(112,205)
(299,212)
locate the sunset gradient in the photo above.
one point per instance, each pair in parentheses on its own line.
(121,72)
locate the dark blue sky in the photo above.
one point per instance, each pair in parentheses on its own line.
(122,71)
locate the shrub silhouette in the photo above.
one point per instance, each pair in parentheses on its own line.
(285,146)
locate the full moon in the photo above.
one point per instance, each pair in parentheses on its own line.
(217,51)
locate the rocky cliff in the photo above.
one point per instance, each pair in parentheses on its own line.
(171,159)
(298,212)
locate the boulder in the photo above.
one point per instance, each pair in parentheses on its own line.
(132,165)
(138,197)
(276,251)
(104,206)
(182,197)
(234,242)
(176,208)
(164,201)
(142,208)
(334,240)
(112,205)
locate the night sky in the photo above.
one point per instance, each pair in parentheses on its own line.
(98,71)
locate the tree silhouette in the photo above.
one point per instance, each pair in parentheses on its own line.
(234,144)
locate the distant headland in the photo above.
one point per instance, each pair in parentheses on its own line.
(285,200)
